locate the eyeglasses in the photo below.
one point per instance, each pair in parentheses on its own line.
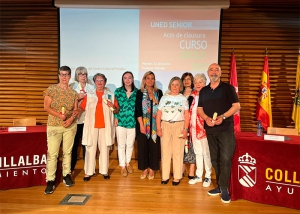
(82,74)
(64,75)
(187,79)
(101,80)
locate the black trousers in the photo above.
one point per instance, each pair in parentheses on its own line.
(77,140)
(221,147)
(148,152)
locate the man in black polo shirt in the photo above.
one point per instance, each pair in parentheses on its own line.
(219,97)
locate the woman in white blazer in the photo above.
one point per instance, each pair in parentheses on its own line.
(99,130)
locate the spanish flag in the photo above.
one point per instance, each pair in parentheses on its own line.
(263,108)
(296,107)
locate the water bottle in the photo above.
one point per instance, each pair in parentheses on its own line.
(259,129)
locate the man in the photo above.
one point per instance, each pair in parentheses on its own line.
(219,98)
(60,101)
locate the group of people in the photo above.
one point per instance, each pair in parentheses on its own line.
(177,127)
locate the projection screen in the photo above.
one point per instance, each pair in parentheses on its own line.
(168,42)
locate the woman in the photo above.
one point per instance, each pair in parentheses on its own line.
(81,86)
(198,135)
(99,106)
(147,99)
(60,101)
(125,122)
(188,85)
(172,126)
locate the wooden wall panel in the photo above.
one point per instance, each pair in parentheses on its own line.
(28,58)
(249,31)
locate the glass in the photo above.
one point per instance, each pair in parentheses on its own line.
(64,75)
(259,128)
(82,74)
(187,79)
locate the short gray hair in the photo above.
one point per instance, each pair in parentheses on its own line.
(99,75)
(172,80)
(200,76)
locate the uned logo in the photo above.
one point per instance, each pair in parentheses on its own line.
(247,170)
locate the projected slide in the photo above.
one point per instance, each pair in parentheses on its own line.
(167,42)
(173,42)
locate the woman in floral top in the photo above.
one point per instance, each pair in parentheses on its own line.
(172,123)
(60,101)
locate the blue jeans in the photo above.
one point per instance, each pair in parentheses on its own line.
(221,147)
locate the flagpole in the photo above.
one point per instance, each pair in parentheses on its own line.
(296,105)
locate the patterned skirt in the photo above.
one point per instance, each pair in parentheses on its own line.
(189,157)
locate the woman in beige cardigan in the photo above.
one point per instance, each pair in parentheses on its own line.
(99,106)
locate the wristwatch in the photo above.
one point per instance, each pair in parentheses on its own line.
(223,117)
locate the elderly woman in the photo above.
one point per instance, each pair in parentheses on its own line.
(125,122)
(82,87)
(188,86)
(198,135)
(99,106)
(147,99)
(60,101)
(172,122)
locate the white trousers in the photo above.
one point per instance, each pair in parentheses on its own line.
(125,137)
(90,154)
(201,150)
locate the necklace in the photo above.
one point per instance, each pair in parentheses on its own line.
(187,93)
(189,90)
